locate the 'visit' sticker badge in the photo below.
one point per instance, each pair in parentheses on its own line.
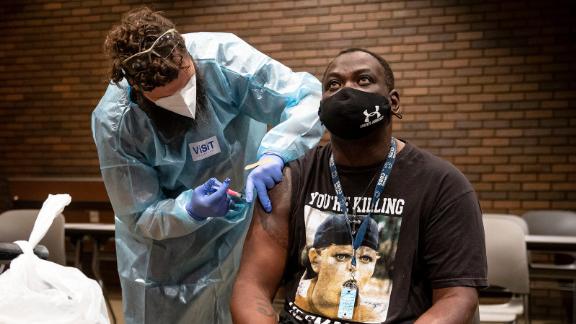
(203,149)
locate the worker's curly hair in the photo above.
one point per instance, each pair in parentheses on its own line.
(137,31)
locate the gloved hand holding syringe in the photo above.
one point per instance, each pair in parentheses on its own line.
(271,172)
(212,199)
(233,194)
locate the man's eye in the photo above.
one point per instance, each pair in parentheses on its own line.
(333,85)
(366,259)
(364,80)
(342,257)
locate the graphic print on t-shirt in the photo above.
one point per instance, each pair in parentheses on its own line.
(328,255)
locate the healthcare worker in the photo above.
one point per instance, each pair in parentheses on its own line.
(183,116)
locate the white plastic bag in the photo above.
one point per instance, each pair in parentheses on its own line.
(38,291)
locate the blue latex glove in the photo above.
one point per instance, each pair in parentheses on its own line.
(207,201)
(264,177)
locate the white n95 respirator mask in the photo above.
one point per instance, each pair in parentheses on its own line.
(182,102)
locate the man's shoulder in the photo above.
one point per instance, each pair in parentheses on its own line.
(315,155)
(420,155)
(425,163)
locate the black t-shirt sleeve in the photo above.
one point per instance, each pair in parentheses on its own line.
(454,250)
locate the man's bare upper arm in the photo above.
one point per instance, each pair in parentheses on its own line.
(266,244)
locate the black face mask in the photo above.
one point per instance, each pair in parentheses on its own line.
(354,114)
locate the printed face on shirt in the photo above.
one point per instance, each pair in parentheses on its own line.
(333,267)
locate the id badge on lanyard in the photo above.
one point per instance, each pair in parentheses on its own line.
(349,292)
(348,299)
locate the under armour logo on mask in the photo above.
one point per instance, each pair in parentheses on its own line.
(376,114)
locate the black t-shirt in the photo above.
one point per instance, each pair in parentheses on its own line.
(426,232)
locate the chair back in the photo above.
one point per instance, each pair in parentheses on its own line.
(513,218)
(506,254)
(551,222)
(17,224)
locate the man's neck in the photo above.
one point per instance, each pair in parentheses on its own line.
(363,152)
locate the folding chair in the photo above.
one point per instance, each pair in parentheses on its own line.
(511,217)
(507,269)
(17,224)
(553,223)
(559,269)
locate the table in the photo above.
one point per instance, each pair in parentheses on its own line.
(99,235)
(551,243)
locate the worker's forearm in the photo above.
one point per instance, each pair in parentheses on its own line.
(251,307)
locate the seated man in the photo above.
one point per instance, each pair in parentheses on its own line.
(413,249)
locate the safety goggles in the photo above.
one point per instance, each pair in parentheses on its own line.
(162,47)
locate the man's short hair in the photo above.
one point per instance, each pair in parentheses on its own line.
(388,74)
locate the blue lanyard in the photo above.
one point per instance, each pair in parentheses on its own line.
(384,174)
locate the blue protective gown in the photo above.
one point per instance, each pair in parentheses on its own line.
(172,268)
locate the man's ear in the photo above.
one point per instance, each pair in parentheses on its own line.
(395,103)
(314,257)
